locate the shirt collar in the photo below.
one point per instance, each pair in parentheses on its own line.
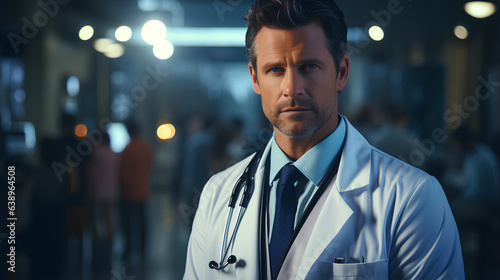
(315,162)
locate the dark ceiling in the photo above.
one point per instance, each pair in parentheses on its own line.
(424,21)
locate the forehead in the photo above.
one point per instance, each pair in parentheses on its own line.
(307,41)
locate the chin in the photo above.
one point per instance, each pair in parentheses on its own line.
(297,131)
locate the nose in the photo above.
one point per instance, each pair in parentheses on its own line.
(292,84)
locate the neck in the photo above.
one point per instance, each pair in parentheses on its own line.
(294,148)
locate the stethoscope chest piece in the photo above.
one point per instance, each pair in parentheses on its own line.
(214,265)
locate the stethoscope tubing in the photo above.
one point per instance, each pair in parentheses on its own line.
(224,236)
(245,180)
(238,221)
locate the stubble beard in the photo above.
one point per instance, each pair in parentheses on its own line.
(298,126)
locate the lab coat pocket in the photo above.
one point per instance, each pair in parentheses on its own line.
(372,270)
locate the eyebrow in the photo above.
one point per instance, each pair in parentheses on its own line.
(273,64)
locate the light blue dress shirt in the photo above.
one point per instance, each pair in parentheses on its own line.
(313,165)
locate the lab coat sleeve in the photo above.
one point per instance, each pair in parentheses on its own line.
(196,263)
(425,243)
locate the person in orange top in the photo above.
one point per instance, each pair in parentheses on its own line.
(136,163)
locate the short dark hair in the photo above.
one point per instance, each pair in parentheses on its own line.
(293,14)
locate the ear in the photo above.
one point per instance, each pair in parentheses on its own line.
(343,73)
(255,81)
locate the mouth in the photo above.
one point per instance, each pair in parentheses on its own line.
(296,110)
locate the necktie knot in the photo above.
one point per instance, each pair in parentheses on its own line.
(289,174)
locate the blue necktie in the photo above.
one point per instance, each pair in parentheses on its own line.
(284,219)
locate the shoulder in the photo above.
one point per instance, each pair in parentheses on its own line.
(364,165)
(392,167)
(401,180)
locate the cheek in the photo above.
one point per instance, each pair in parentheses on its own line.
(322,90)
(267,103)
(269,92)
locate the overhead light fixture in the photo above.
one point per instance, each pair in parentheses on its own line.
(163,50)
(461,32)
(109,48)
(102,44)
(376,33)
(114,50)
(165,131)
(480,9)
(153,32)
(212,36)
(86,32)
(123,33)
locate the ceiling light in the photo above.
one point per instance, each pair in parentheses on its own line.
(153,31)
(163,50)
(114,50)
(102,44)
(480,9)
(123,33)
(165,131)
(86,32)
(461,32)
(376,33)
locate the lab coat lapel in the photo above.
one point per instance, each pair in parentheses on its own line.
(353,173)
(331,218)
(354,169)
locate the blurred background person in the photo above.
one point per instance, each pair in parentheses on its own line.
(73,180)
(103,194)
(227,146)
(136,163)
(481,169)
(195,160)
(393,136)
(477,202)
(367,119)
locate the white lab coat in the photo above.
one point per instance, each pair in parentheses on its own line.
(378,208)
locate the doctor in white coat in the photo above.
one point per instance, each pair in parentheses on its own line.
(373,217)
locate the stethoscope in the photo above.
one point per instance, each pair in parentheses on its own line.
(246,182)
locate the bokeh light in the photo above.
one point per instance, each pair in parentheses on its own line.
(86,32)
(461,32)
(153,32)
(114,50)
(376,33)
(163,50)
(123,33)
(102,44)
(165,131)
(81,131)
(480,9)
(73,86)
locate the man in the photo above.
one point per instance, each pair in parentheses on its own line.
(136,163)
(374,217)
(481,179)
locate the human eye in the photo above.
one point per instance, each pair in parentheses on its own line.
(275,70)
(310,67)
